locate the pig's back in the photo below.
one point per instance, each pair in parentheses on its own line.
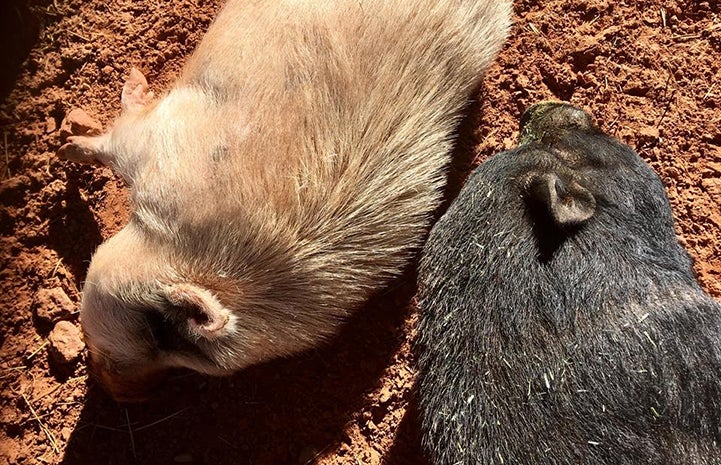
(338,119)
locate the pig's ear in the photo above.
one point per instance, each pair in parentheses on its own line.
(86,149)
(567,201)
(135,94)
(207,318)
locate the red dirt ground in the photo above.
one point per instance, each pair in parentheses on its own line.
(648,70)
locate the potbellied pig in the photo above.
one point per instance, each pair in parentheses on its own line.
(288,174)
(561,319)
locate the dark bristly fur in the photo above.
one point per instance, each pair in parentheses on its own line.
(580,343)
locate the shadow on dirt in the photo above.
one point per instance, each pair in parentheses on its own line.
(19,31)
(463,158)
(282,412)
(73,230)
(406,449)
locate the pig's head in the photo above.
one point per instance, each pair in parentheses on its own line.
(577,182)
(141,318)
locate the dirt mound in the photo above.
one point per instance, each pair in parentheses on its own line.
(648,71)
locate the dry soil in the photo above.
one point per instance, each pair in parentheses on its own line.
(647,70)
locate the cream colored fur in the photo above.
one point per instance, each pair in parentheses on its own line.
(290,172)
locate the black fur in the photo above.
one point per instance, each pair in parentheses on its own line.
(550,343)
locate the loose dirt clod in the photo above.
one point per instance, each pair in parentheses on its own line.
(52,305)
(66,343)
(50,125)
(79,123)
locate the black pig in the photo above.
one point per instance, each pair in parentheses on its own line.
(561,319)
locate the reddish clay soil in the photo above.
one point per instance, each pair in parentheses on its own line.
(648,70)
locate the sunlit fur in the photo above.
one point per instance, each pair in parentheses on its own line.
(290,171)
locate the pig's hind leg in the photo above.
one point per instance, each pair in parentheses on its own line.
(94,149)
(85,149)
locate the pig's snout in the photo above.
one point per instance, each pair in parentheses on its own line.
(128,385)
(550,117)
